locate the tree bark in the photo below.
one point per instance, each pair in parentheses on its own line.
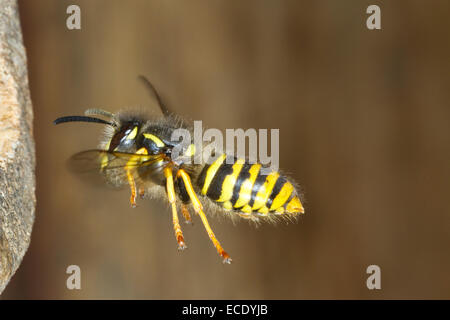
(17,155)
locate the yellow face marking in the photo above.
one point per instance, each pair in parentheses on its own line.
(282,196)
(230,181)
(245,193)
(155,139)
(132,134)
(265,190)
(212,170)
(295,206)
(190,151)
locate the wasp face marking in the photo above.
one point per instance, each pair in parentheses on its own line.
(124,139)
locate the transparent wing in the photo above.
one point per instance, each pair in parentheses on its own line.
(113,167)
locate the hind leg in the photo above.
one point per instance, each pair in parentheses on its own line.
(171,195)
(199,210)
(186,215)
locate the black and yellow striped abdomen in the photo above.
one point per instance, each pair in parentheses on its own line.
(243,187)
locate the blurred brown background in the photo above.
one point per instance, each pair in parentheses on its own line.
(364,128)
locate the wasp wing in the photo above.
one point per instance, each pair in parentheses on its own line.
(114,166)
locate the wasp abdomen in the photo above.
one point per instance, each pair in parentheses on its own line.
(243,187)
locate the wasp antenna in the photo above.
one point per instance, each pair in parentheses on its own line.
(82,119)
(153,91)
(99,112)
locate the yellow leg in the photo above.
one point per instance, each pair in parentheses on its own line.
(142,193)
(132,184)
(186,214)
(199,210)
(129,167)
(171,194)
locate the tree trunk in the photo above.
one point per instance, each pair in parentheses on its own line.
(17,158)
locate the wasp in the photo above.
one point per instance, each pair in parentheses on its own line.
(137,150)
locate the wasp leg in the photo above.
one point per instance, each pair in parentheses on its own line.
(142,193)
(132,184)
(199,210)
(171,195)
(186,214)
(132,162)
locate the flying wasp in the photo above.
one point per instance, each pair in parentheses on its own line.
(136,150)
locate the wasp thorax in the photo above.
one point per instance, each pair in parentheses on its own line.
(153,144)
